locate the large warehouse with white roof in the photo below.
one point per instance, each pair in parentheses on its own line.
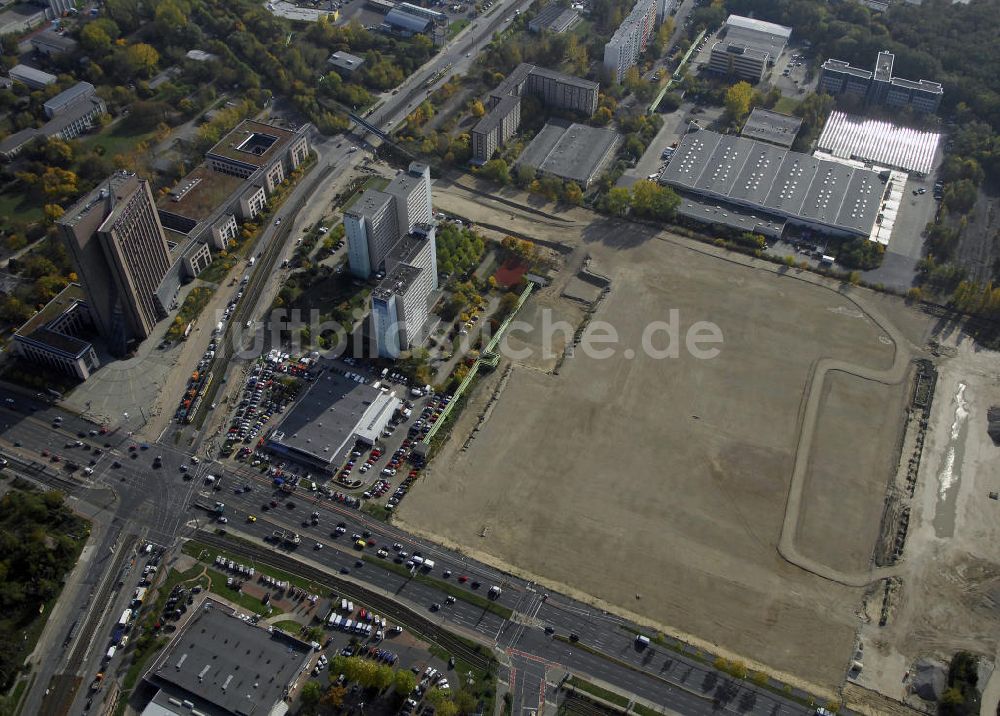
(829,196)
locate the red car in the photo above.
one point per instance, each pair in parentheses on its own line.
(463,579)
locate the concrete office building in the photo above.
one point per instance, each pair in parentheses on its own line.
(371,230)
(221,664)
(375,223)
(496,127)
(72,112)
(401,301)
(411,192)
(747,47)
(630,39)
(78,93)
(880,87)
(256,148)
(120,253)
(330,417)
(554,89)
(53,336)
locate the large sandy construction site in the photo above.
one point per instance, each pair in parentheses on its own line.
(669,477)
(741,496)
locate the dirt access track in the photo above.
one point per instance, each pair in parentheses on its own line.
(669,477)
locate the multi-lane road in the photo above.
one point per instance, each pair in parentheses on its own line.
(158,505)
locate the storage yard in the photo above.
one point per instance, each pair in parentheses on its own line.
(626,478)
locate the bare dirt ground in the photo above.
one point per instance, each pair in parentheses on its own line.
(951,564)
(568,484)
(668,477)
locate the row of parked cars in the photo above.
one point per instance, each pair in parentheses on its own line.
(262,397)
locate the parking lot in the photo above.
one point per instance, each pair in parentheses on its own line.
(381,474)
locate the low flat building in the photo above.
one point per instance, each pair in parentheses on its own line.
(554,18)
(78,93)
(54,336)
(30,76)
(573,152)
(51,44)
(407,19)
(748,47)
(345,63)
(330,417)
(72,112)
(772,127)
(879,142)
(220,664)
(776,183)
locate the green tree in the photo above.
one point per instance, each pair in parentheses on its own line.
(572,193)
(737,101)
(617,201)
(602,116)
(170,16)
(94,38)
(311,694)
(404,682)
(142,58)
(497,170)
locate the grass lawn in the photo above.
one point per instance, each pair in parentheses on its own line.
(195,549)
(249,603)
(378,183)
(16,209)
(218,270)
(786,105)
(192,307)
(115,139)
(457,26)
(609,696)
(289,625)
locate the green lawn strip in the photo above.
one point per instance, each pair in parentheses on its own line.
(252,604)
(593,689)
(373,509)
(378,183)
(114,140)
(457,26)
(11,703)
(483,683)
(218,269)
(288,625)
(445,586)
(192,307)
(643,710)
(195,549)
